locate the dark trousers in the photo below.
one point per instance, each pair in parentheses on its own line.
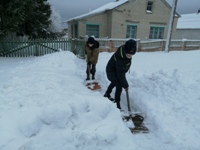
(92,70)
(118,90)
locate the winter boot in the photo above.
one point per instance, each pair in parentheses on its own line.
(88,77)
(109,97)
(118,105)
(93,77)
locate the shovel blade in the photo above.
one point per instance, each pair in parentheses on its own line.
(94,86)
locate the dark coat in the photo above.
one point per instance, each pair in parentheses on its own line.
(118,66)
(92,52)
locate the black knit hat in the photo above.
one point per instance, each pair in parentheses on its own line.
(90,40)
(130,46)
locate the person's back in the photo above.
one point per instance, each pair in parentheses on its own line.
(117,67)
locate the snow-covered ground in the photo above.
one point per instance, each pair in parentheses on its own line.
(44,104)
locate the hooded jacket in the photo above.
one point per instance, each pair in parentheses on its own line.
(92,52)
(118,66)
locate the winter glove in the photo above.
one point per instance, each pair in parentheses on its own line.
(89,63)
(126,89)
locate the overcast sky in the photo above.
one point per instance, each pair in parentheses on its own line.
(72,8)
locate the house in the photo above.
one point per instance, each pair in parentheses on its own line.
(188,26)
(140,19)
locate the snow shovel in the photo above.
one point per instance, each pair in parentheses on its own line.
(88,67)
(136,119)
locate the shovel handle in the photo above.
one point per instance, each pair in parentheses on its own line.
(88,67)
(128,101)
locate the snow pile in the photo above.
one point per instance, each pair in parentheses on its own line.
(45,105)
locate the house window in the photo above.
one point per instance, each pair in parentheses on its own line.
(131,31)
(149,6)
(92,30)
(76,30)
(156,32)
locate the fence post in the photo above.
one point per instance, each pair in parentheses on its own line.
(73,49)
(162,45)
(110,45)
(139,46)
(36,47)
(183,44)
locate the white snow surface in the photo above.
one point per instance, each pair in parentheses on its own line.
(44,104)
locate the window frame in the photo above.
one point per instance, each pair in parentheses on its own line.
(131,31)
(92,31)
(156,32)
(76,30)
(149,7)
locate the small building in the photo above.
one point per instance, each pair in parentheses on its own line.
(188,26)
(140,19)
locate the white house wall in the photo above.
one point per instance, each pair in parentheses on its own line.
(113,23)
(135,13)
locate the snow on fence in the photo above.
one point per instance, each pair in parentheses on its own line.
(39,47)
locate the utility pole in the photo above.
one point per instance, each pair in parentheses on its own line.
(170,28)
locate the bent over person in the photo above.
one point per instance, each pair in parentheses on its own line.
(116,70)
(92,52)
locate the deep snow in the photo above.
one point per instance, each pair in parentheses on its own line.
(44,104)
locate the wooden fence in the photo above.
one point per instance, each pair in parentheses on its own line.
(39,47)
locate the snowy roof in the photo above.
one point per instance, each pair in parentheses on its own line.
(106,7)
(101,9)
(189,21)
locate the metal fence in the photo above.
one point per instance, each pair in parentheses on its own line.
(39,47)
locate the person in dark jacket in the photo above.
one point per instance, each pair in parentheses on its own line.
(92,52)
(116,70)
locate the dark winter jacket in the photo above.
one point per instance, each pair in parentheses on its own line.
(92,52)
(118,66)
